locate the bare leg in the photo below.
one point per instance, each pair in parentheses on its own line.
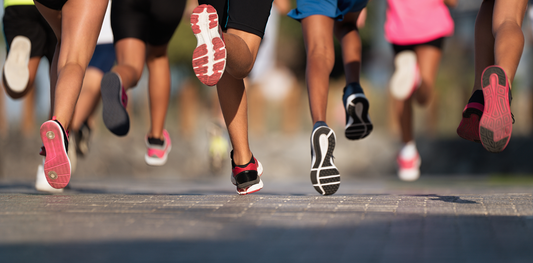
(130,61)
(348,34)
(159,88)
(498,37)
(242,50)
(428,62)
(320,60)
(89,97)
(77,27)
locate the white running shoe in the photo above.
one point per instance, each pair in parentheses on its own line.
(16,72)
(405,79)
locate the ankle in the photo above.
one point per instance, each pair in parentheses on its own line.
(240,158)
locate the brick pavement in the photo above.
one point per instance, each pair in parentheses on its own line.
(187,221)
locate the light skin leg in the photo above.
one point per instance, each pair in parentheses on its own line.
(77,27)
(89,97)
(158,88)
(242,50)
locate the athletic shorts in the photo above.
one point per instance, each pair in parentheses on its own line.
(103,57)
(152,21)
(335,9)
(435,43)
(247,15)
(25,20)
(53,4)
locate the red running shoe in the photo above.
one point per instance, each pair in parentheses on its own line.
(496,123)
(469,127)
(209,57)
(247,178)
(57,163)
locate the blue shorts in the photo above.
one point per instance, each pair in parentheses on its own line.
(103,57)
(335,9)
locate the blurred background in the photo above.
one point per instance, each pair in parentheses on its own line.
(279,119)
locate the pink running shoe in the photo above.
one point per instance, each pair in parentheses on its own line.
(496,124)
(209,57)
(409,168)
(469,127)
(158,150)
(57,163)
(247,178)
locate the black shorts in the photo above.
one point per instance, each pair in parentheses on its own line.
(436,43)
(53,4)
(247,15)
(152,21)
(25,20)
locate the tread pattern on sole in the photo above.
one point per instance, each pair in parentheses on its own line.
(496,123)
(325,176)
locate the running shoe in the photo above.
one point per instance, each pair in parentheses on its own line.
(114,101)
(409,167)
(469,127)
(57,164)
(406,76)
(324,174)
(496,123)
(82,137)
(16,72)
(209,57)
(157,152)
(41,183)
(247,177)
(358,124)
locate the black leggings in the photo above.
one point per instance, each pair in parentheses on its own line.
(152,21)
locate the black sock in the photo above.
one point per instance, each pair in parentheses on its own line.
(477,97)
(233,165)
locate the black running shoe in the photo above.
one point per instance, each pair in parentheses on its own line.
(324,174)
(358,124)
(114,101)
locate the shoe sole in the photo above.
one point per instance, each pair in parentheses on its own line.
(254,187)
(324,174)
(41,184)
(402,83)
(359,125)
(56,164)
(115,116)
(496,124)
(469,127)
(16,72)
(209,56)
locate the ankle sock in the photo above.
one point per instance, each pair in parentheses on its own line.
(477,97)
(319,124)
(233,165)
